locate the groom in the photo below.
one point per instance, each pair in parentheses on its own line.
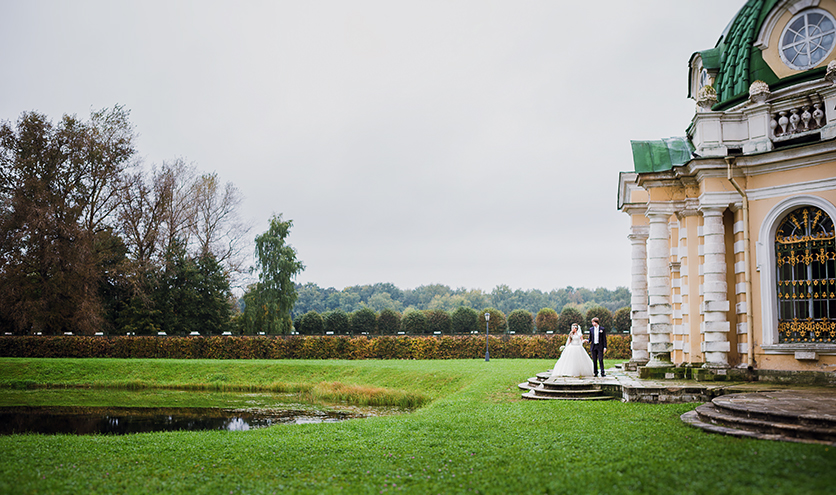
(598,345)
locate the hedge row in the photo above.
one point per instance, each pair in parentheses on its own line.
(298,347)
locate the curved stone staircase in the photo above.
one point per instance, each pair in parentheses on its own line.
(787,415)
(544,387)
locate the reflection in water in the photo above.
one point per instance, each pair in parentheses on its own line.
(123,420)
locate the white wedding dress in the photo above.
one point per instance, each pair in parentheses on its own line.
(574,361)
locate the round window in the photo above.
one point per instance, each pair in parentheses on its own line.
(807,39)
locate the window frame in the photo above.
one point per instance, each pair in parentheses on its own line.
(767,266)
(804,13)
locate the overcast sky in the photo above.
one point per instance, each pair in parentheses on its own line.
(467,143)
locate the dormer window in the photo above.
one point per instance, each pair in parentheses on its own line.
(807,39)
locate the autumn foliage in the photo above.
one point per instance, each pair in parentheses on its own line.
(299,347)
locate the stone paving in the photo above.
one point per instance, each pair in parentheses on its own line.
(768,411)
(810,406)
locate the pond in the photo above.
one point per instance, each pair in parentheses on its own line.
(87,412)
(123,420)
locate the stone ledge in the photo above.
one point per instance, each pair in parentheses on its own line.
(821,349)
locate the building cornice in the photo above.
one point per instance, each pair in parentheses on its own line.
(699,169)
(794,188)
(785,159)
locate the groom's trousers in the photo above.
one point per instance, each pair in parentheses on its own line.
(597,357)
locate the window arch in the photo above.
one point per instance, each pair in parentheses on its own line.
(805,258)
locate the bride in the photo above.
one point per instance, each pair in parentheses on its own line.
(574,361)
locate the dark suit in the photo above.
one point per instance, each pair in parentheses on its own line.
(597,350)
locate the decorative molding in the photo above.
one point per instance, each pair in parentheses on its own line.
(820,185)
(710,200)
(634,208)
(782,160)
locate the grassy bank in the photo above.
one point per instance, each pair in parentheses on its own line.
(473,435)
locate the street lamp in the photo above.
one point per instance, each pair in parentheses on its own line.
(487,331)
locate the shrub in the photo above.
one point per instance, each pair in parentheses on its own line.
(310,323)
(604,317)
(336,321)
(622,321)
(388,322)
(520,321)
(567,317)
(438,321)
(546,320)
(465,320)
(414,323)
(299,347)
(498,324)
(363,320)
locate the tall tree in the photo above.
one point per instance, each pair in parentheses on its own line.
(217,226)
(269,301)
(53,180)
(174,190)
(107,146)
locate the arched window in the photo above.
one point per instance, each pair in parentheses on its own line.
(805,255)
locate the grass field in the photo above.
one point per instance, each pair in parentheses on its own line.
(473,434)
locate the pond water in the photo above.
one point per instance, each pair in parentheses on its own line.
(124,420)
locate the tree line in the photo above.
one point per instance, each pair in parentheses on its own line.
(382,296)
(462,320)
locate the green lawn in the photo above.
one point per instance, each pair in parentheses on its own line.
(474,434)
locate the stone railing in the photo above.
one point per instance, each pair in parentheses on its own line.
(797,120)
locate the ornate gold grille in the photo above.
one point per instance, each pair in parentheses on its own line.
(805,255)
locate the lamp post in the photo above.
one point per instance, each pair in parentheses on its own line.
(487,332)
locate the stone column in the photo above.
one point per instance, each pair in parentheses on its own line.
(659,289)
(638,302)
(715,305)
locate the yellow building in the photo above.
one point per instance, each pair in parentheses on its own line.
(733,245)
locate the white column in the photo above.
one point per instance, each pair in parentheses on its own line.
(638,302)
(715,306)
(684,280)
(659,289)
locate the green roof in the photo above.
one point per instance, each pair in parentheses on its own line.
(739,62)
(661,155)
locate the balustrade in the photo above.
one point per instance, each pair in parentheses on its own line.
(795,121)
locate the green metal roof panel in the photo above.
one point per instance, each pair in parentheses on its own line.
(733,78)
(711,58)
(740,62)
(661,155)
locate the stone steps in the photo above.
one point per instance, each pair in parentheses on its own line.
(544,387)
(788,415)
